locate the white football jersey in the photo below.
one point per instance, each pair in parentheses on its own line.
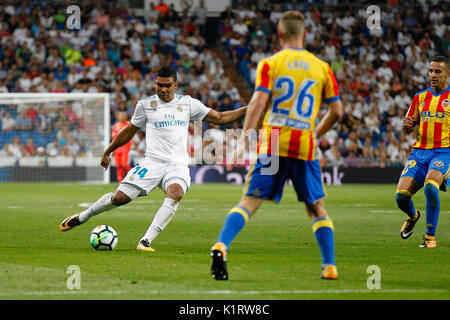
(166,126)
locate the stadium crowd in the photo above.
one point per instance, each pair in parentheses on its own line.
(115,51)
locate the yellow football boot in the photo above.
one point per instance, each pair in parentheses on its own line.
(329,273)
(428,242)
(408,226)
(144,245)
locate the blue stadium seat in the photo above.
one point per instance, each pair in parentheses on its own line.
(6,137)
(24,135)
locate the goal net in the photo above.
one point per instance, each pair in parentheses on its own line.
(53,137)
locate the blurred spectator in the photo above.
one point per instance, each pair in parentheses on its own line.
(102,19)
(276,14)
(162,8)
(15,149)
(239,27)
(23,122)
(40,151)
(73,146)
(30,148)
(53,148)
(8,123)
(201,14)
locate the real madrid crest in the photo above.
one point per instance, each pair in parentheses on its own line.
(153,104)
(179,107)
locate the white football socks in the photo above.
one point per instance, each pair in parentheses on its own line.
(101,205)
(162,218)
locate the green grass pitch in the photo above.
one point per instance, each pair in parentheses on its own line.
(274,257)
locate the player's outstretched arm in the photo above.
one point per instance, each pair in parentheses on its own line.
(335,112)
(225,117)
(122,138)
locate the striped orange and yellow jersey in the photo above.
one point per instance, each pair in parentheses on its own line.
(297,82)
(432,112)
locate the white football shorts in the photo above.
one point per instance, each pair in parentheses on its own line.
(149,174)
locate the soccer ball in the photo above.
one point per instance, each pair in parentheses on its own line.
(103,238)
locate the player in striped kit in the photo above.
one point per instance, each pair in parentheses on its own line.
(293,84)
(428,165)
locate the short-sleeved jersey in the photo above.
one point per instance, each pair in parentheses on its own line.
(297,82)
(166,126)
(431,112)
(117,127)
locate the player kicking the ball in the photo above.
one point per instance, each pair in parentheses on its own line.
(166,119)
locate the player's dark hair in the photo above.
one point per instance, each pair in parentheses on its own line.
(441,59)
(167,72)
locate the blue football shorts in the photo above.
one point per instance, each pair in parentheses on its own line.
(421,161)
(306,177)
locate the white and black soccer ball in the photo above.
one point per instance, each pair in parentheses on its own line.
(103,237)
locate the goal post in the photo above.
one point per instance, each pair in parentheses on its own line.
(56,137)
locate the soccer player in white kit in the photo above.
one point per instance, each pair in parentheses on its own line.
(165,117)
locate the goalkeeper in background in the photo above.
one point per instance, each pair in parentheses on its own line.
(293,83)
(121,153)
(428,165)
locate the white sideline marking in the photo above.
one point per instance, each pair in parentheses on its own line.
(357,205)
(85,204)
(384,211)
(148,201)
(219,292)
